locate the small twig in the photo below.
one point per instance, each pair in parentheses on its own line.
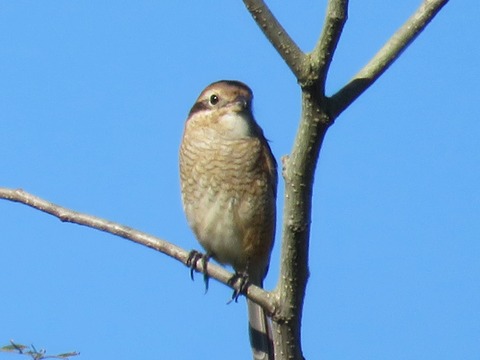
(34,353)
(277,35)
(386,56)
(256,294)
(322,55)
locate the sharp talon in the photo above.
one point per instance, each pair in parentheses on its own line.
(235,296)
(192,260)
(206,278)
(193,257)
(242,287)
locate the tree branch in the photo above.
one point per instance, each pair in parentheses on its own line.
(386,56)
(321,56)
(298,172)
(258,295)
(277,35)
(285,303)
(318,113)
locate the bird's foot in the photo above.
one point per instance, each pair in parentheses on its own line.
(242,279)
(193,257)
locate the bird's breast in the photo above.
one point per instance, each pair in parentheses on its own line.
(225,191)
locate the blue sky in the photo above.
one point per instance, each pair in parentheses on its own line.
(93,96)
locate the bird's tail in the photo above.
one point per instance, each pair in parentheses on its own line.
(260,331)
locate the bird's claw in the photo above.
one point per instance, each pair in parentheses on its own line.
(241,288)
(193,257)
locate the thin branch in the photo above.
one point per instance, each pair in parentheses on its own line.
(386,56)
(258,295)
(322,55)
(277,35)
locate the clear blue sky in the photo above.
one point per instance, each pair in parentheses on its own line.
(93,96)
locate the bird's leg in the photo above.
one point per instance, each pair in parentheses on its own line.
(193,257)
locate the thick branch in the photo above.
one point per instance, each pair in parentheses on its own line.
(255,293)
(386,56)
(276,34)
(321,56)
(298,172)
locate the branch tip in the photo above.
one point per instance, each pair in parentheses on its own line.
(385,57)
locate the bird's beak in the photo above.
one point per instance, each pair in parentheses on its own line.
(240,103)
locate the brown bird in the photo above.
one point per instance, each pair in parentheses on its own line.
(229,183)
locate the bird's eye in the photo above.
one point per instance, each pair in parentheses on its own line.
(213,99)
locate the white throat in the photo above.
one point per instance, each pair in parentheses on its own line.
(236,125)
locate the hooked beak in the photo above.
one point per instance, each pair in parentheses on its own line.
(240,103)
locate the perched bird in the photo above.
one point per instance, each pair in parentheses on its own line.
(229,183)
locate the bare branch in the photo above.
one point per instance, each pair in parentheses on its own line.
(258,295)
(298,172)
(276,34)
(322,55)
(386,56)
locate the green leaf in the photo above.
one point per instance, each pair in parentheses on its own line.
(13,347)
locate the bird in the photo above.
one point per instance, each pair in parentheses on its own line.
(228,177)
